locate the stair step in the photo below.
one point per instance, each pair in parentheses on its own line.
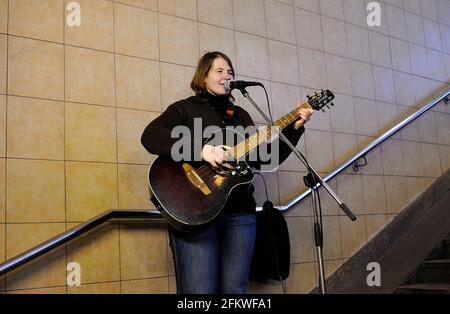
(424,288)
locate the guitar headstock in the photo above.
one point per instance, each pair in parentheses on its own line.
(321,99)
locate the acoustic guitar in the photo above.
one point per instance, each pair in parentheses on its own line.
(189,196)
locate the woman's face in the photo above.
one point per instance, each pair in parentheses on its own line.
(219,73)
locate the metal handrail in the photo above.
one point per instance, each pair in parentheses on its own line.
(444,96)
(60,239)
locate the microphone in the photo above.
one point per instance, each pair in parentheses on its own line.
(230,85)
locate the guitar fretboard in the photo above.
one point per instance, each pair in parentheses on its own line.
(253,141)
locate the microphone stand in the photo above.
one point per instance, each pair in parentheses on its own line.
(314,183)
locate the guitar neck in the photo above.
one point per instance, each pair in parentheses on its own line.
(253,141)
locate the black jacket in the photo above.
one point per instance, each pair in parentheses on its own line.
(157,139)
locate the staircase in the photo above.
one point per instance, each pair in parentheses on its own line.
(432,276)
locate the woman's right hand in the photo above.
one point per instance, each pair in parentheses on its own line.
(214,155)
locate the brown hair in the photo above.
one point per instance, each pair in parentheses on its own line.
(203,68)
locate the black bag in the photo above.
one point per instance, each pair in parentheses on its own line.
(271,255)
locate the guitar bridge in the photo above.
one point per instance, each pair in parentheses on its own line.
(195,179)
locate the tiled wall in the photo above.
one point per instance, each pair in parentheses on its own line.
(74,101)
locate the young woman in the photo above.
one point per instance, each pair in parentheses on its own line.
(215,260)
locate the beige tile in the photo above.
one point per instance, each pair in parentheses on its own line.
(321,156)
(3,62)
(283,64)
(136,32)
(353,235)
(216,12)
(344,147)
(249,17)
(338,74)
(334,36)
(404,89)
(334,9)
(256,287)
(178,40)
(384,84)
(301,239)
(2,126)
(153,286)
(181,8)
(396,22)
(133,187)
(280,22)
(349,189)
(252,56)
(358,41)
(130,125)
(3,16)
(89,76)
(374,194)
(396,193)
(213,38)
(401,60)
(443,128)
(412,6)
(444,153)
(2,249)
(43,184)
(35,68)
(143,250)
(332,247)
(410,132)
(2,191)
(308,29)
(91,189)
(97,253)
(290,186)
(366,117)
(391,151)
(44,119)
(146,4)
(387,116)
(443,9)
(48,270)
(40,19)
(90,133)
(380,49)
(138,83)
(312,68)
(97,288)
(302,278)
(175,83)
(96,30)
(331,266)
(415,187)
(343,114)
(419,60)
(432,34)
(310,5)
(355,12)
(53,290)
(328,203)
(431,160)
(374,157)
(427,127)
(271,179)
(414,29)
(362,80)
(436,64)
(428,9)
(412,162)
(259,97)
(374,224)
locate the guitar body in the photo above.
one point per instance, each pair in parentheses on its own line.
(190,205)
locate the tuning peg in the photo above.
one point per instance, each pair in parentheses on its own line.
(307,96)
(332,104)
(323,110)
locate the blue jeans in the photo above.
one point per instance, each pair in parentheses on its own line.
(216,260)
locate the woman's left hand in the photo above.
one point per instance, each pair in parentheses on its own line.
(305,115)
